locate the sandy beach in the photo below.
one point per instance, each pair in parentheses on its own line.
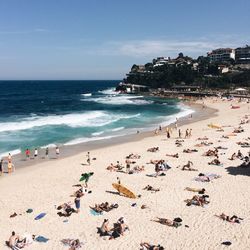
(47,185)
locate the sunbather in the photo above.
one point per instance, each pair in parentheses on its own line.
(173,155)
(198,190)
(198,200)
(150,188)
(189,150)
(154,149)
(147,246)
(215,162)
(233,219)
(171,223)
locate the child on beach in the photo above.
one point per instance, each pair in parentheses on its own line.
(77,203)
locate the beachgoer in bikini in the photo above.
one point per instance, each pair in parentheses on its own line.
(147,246)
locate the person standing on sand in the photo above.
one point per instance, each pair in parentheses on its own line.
(35,153)
(47,152)
(187,133)
(190,133)
(10,167)
(77,203)
(1,167)
(88,158)
(57,152)
(179,133)
(27,153)
(9,157)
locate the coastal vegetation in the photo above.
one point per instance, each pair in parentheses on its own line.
(165,72)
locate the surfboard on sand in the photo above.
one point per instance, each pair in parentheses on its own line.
(211,125)
(123,190)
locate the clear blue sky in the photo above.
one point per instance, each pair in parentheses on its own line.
(101,39)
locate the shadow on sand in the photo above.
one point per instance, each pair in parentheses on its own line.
(238,170)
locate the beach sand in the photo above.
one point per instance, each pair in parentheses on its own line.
(49,184)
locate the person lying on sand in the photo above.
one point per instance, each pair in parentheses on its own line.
(117,167)
(154,149)
(136,169)
(133,156)
(104,207)
(203,143)
(202,138)
(66,208)
(150,188)
(73,244)
(189,150)
(198,190)
(171,223)
(238,130)
(173,155)
(211,152)
(215,162)
(188,167)
(197,200)
(13,240)
(233,219)
(243,143)
(147,246)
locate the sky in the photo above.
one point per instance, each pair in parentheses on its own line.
(102,39)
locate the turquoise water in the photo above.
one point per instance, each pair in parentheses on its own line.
(41,113)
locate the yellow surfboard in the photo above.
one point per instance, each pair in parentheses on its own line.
(211,125)
(126,192)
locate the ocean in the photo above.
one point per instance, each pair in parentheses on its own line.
(49,113)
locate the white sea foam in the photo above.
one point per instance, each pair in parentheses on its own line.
(184,111)
(87,94)
(117,129)
(87,119)
(97,133)
(120,100)
(13,152)
(50,146)
(109,91)
(87,139)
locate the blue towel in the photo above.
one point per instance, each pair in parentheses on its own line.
(41,239)
(93,212)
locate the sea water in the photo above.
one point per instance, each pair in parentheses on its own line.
(49,113)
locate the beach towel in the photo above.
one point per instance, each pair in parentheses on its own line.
(41,239)
(40,216)
(72,243)
(93,212)
(206,176)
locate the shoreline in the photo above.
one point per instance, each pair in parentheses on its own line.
(19,160)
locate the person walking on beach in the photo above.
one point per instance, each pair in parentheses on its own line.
(10,167)
(179,133)
(88,158)
(27,153)
(9,157)
(35,153)
(47,152)
(85,177)
(190,133)
(77,203)
(187,133)
(1,167)
(127,166)
(57,151)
